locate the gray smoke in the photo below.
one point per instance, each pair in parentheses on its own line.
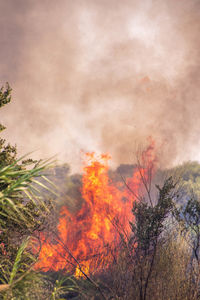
(101,76)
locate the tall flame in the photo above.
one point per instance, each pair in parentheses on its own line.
(106,210)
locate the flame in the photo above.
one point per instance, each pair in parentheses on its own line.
(94,231)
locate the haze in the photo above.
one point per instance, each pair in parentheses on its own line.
(101,76)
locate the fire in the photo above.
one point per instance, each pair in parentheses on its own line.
(84,238)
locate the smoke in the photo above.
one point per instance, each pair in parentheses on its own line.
(101,76)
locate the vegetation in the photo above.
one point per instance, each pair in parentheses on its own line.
(159,261)
(23,213)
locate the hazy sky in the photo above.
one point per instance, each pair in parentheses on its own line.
(102,76)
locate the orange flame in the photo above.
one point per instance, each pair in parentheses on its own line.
(106,210)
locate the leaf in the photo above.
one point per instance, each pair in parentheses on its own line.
(18,260)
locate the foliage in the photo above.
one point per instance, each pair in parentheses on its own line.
(188,175)
(23,212)
(149,220)
(65,286)
(5,95)
(160,260)
(156,262)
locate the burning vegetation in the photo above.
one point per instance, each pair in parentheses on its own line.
(100,76)
(93,233)
(123,241)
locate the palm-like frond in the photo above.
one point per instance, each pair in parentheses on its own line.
(23,209)
(18,259)
(19,189)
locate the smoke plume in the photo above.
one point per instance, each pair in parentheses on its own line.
(101,76)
